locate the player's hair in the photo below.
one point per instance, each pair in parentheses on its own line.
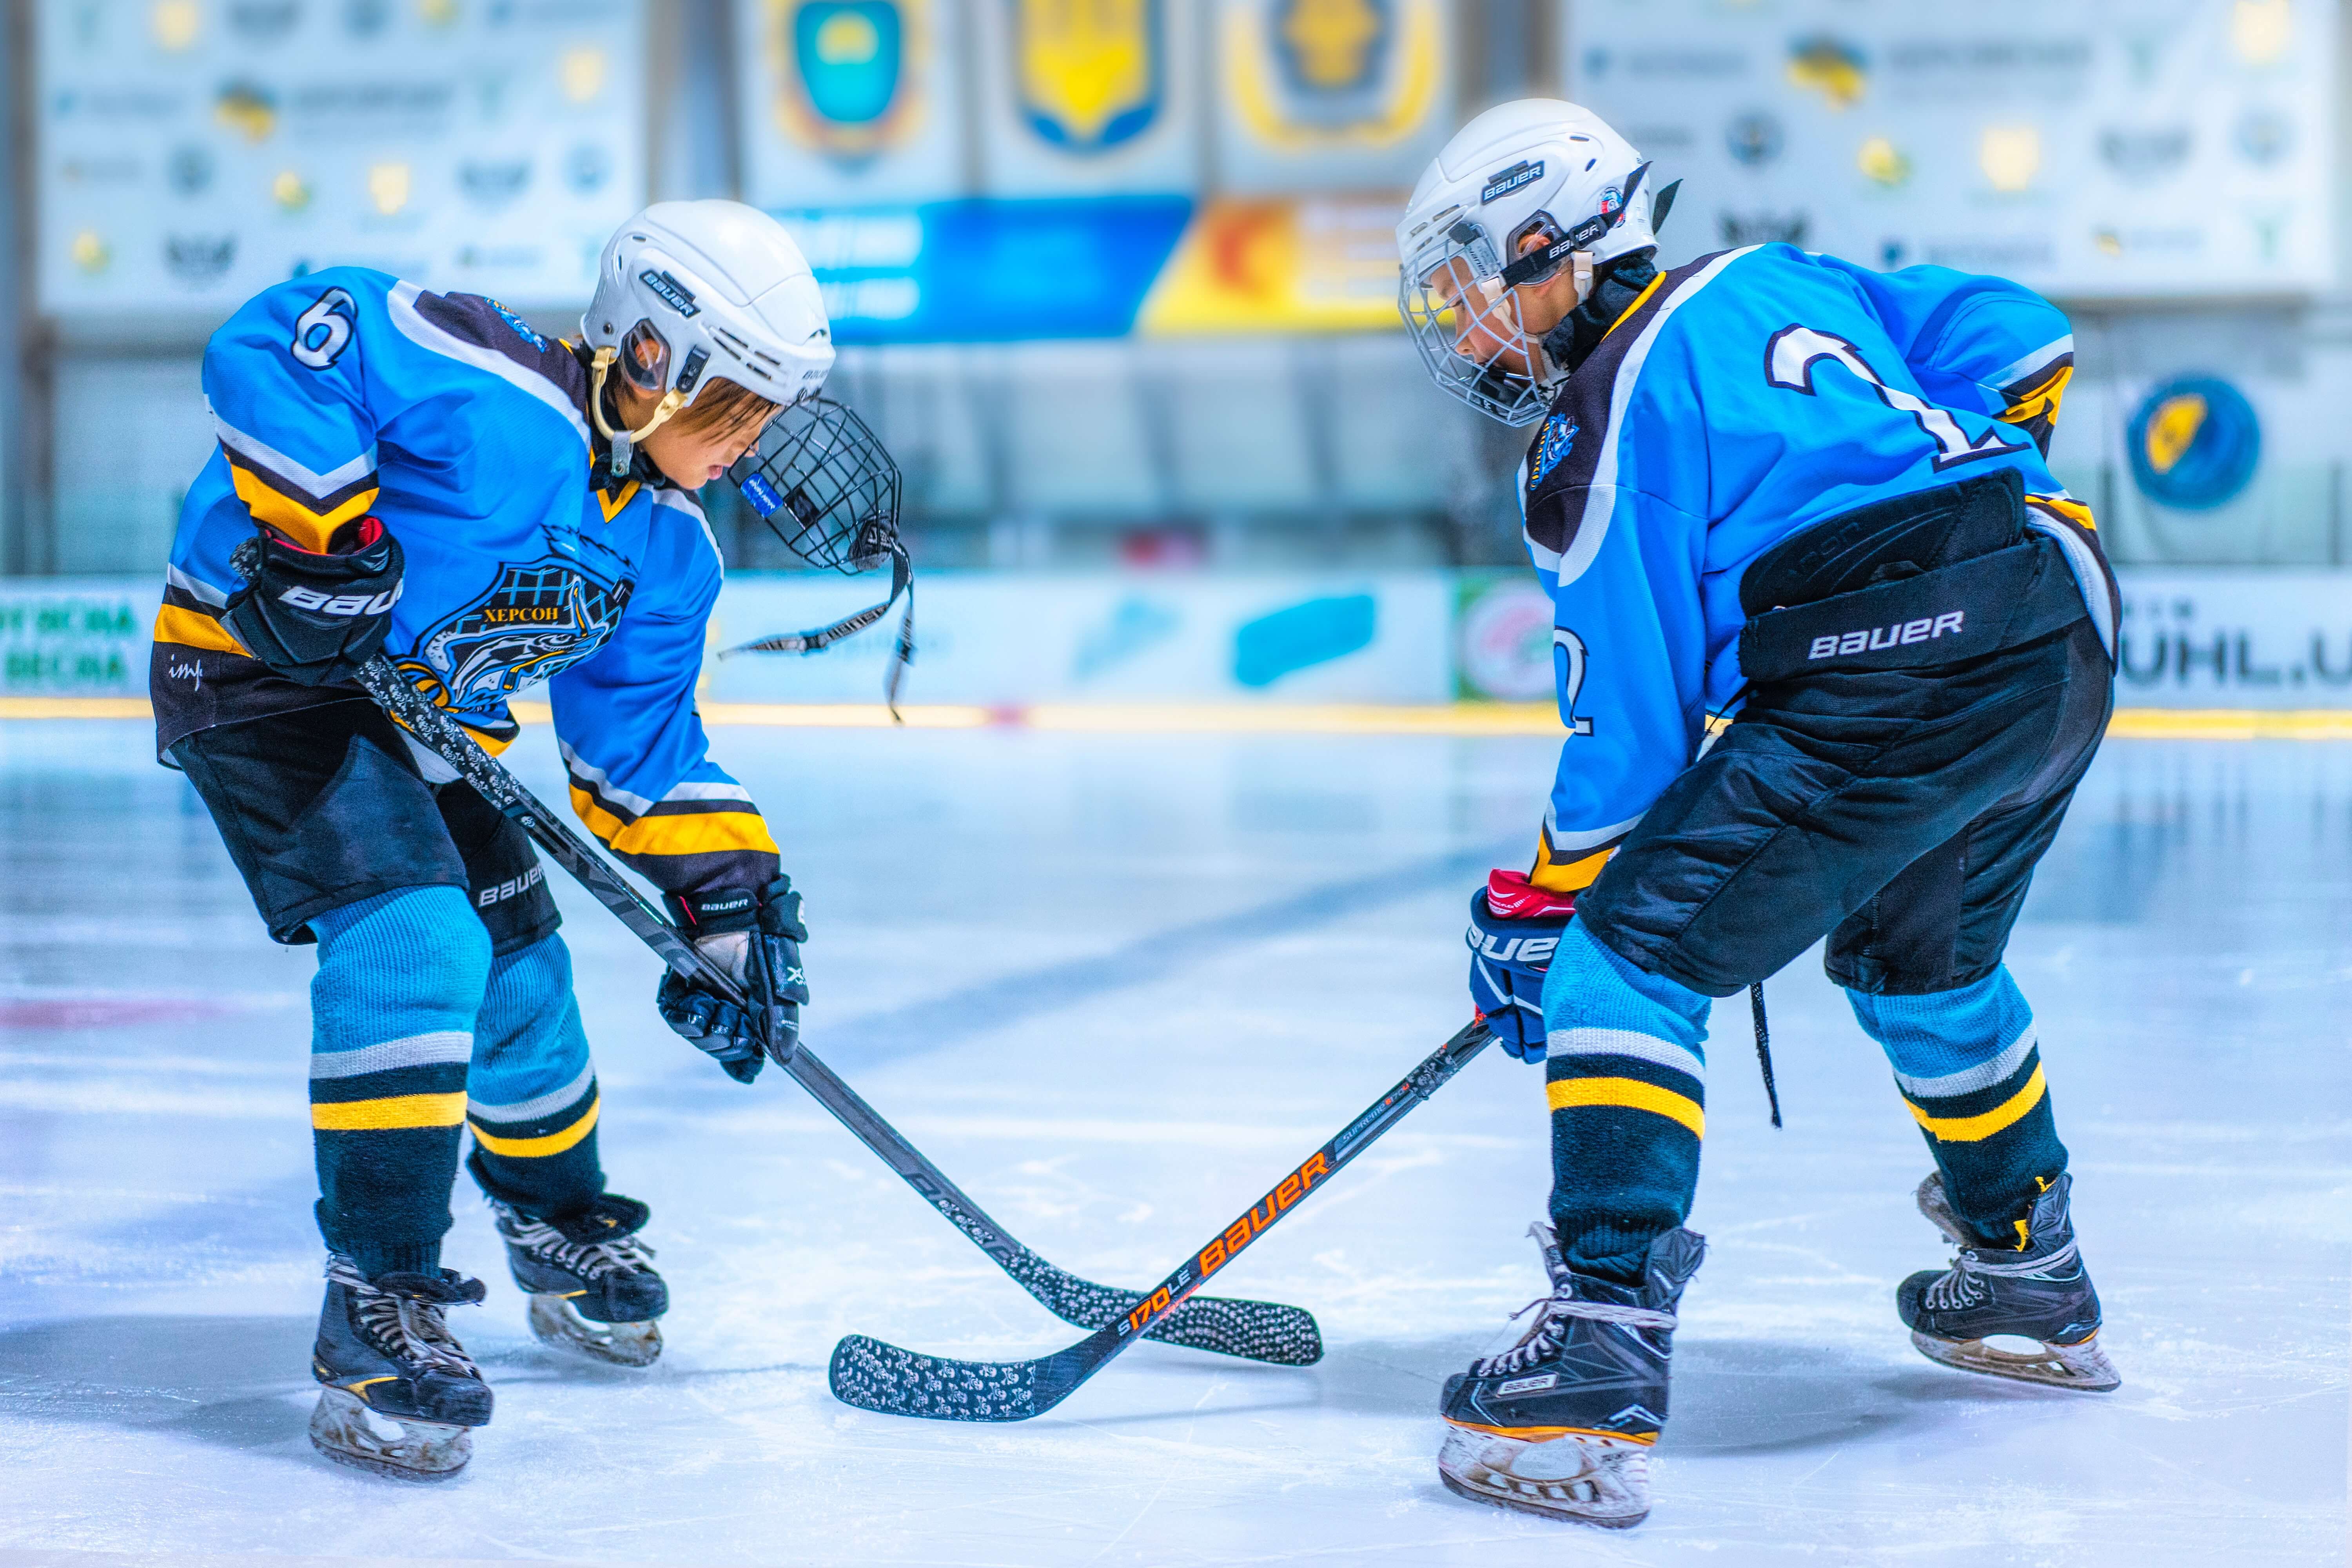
(727,407)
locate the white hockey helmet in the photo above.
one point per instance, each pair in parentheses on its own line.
(689,293)
(1538,166)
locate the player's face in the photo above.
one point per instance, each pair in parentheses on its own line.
(693,458)
(1499,327)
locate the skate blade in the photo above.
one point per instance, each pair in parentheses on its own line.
(345,1430)
(556,1322)
(2084,1367)
(1600,1481)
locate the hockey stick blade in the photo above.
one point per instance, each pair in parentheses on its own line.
(1258,1331)
(874,1375)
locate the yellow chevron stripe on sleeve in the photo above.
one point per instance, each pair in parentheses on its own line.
(1633,1094)
(399,1110)
(1977,1129)
(692,833)
(310,530)
(2037,400)
(192,628)
(550,1144)
(1567,875)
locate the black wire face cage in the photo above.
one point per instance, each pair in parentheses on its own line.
(825,484)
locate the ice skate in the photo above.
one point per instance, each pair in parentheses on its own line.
(2041,1293)
(591,1281)
(401,1395)
(1561,1424)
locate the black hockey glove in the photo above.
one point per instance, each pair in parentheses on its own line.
(316,618)
(754,937)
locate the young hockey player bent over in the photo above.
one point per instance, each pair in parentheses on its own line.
(426,475)
(1833,649)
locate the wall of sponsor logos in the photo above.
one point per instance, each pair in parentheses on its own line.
(2137,148)
(2264,639)
(1128,265)
(191,151)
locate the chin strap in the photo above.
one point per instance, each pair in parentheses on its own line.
(902,583)
(624,442)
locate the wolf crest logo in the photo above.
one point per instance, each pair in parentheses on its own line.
(536,621)
(847,72)
(1089,74)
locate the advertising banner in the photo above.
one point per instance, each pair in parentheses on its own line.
(2137,148)
(1001,638)
(189,154)
(1316,95)
(2234,638)
(77,638)
(1303,264)
(1088,96)
(850,103)
(988,271)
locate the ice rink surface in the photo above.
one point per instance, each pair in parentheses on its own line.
(1115,986)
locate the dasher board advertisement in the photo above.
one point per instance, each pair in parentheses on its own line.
(850,103)
(191,153)
(2132,149)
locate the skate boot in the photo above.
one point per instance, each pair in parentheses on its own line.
(1560,1425)
(2041,1292)
(591,1281)
(401,1395)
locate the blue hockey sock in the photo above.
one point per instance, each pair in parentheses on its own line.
(531,1095)
(1623,1073)
(1970,1069)
(392,1018)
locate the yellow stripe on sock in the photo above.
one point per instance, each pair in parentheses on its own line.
(1630,1092)
(399,1110)
(541,1148)
(1977,1129)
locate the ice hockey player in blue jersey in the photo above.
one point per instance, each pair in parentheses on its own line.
(1833,649)
(426,477)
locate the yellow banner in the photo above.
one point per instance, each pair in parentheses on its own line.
(1308,264)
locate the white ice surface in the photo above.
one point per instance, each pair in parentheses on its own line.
(1038,956)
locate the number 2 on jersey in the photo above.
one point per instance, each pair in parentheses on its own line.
(1789,362)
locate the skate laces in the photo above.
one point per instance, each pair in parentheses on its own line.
(589,1259)
(1959,1286)
(412,1330)
(1545,1336)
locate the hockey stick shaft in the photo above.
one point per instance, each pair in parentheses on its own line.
(877,1375)
(1261,1331)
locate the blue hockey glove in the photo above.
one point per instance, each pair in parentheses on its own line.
(754,937)
(1514,929)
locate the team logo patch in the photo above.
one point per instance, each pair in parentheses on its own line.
(520,325)
(1509,180)
(1552,448)
(538,619)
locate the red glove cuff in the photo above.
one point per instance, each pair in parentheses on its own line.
(1510,895)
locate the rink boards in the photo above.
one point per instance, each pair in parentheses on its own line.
(1252,651)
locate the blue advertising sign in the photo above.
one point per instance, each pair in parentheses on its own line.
(990,272)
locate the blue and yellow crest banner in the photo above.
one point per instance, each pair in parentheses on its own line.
(847,81)
(1335,76)
(1089,74)
(1333,56)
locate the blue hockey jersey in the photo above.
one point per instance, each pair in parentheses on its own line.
(348,392)
(1737,401)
